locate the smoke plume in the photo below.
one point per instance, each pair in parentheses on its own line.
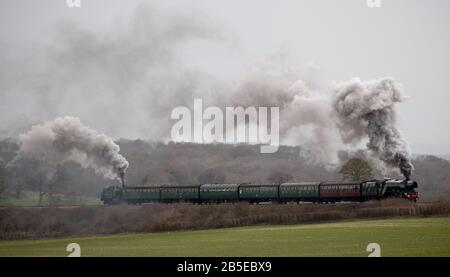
(136,69)
(66,139)
(142,70)
(367,109)
(305,114)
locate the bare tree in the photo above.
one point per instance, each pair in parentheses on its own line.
(56,184)
(356,169)
(37,176)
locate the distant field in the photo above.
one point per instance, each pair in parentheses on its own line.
(397,237)
(31,198)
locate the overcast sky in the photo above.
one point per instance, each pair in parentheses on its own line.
(408,40)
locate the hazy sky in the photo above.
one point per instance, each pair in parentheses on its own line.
(404,39)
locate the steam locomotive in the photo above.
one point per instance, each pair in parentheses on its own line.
(316,192)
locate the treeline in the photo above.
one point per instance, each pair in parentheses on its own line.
(186,163)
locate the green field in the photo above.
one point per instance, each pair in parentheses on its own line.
(397,237)
(31,198)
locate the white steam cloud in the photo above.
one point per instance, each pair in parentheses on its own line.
(305,114)
(66,139)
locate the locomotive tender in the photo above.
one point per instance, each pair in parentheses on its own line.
(316,192)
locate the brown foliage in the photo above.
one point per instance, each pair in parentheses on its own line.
(23,223)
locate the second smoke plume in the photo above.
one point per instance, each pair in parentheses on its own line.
(66,139)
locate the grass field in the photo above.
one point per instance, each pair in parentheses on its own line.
(397,237)
(31,198)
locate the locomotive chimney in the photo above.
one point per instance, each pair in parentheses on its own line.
(122,178)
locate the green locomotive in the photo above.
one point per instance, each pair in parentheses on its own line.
(317,192)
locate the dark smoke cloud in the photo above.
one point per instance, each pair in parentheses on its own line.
(123,81)
(66,139)
(367,109)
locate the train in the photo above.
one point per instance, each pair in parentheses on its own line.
(300,192)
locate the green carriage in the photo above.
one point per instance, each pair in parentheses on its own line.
(188,193)
(255,193)
(136,195)
(219,193)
